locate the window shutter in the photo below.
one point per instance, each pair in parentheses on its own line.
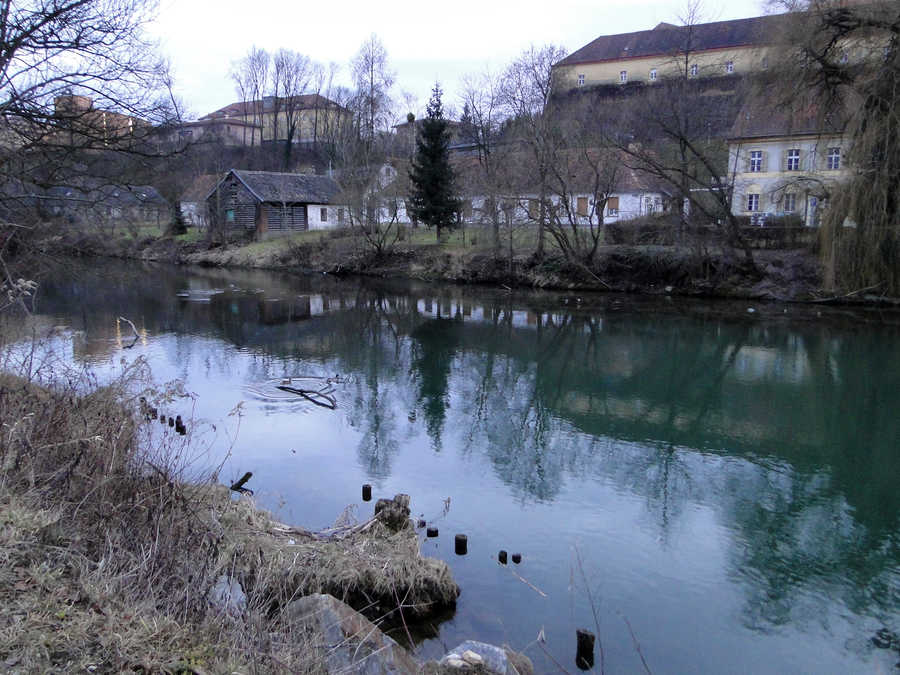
(746,161)
(784,160)
(765,161)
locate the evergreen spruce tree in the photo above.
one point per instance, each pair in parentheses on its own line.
(433,200)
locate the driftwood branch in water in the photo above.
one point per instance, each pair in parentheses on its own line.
(137,335)
(239,485)
(321,397)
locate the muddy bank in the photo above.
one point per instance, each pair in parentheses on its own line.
(789,275)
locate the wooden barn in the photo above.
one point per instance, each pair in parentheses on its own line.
(273,203)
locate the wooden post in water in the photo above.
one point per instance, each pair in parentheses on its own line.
(431,532)
(461,544)
(584,653)
(501,557)
(367,492)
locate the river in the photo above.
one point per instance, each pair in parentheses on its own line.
(707,487)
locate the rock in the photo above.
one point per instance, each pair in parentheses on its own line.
(495,660)
(350,642)
(472,658)
(394,513)
(454,662)
(227,596)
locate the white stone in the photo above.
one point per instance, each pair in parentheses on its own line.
(472,658)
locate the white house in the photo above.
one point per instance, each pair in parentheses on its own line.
(785,162)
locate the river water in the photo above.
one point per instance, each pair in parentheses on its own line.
(714,489)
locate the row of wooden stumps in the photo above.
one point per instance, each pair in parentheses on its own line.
(460,541)
(151,413)
(584,653)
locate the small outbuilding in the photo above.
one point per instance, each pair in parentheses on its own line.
(268,202)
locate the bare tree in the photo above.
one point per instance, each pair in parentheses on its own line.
(291,77)
(80,84)
(526,93)
(374,79)
(843,61)
(484,108)
(251,78)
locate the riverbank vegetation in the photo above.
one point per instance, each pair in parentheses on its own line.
(120,551)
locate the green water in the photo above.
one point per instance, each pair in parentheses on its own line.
(723,481)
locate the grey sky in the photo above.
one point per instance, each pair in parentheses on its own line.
(203,38)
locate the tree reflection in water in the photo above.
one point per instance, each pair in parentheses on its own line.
(786,431)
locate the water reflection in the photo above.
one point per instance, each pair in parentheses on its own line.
(783,434)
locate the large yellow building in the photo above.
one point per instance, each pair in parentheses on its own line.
(719,48)
(312,116)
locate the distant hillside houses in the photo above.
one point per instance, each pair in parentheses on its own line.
(301,119)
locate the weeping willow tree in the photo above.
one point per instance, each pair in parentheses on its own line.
(846,56)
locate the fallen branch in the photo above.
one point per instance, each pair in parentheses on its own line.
(835,298)
(526,582)
(239,485)
(137,336)
(313,395)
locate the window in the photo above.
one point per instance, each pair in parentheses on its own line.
(834,159)
(582,206)
(653,74)
(533,210)
(756,158)
(340,216)
(581,79)
(793,159)
(229,215)
(323,215)
(844,57)
(623,76)
(612,206)
(765,63)
(695,70)
(790,202)
(729,67)
(753,202)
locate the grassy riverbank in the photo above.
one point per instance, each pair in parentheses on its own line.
(113,551)
(466,257)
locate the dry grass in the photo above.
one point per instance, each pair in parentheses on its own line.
(109,547)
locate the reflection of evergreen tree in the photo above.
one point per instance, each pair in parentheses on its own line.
(436,344)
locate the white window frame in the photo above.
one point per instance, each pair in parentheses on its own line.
(653,74)
(623,76)
(695,70)
(753,202)
(790,202)
(729,67)
(580,79)
(793,159)
(834,159)
(756,159)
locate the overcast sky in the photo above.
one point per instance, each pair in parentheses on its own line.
(202,38)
